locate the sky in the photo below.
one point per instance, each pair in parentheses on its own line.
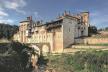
(14,11)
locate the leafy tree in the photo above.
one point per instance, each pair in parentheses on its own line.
(16,60)
(92,30)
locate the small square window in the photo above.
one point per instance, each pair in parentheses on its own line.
(69,29)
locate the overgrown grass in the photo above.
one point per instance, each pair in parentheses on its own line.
(88,61)
(102,44)
(99,44)
(100,36)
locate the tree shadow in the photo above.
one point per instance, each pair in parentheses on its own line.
(42,60)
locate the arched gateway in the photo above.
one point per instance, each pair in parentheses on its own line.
(41,48)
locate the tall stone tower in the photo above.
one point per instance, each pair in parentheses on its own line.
(85,21)
(25,27)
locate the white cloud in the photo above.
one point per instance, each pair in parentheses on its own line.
(6,21)
(1,8)
(93,14)
(1,17)
(36,14)
(11,5)
(20,11)
(10,21)
(99,19)
(16,5)
(2,13)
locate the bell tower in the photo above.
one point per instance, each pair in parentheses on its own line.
(85,21)
(85,18)
(25,27)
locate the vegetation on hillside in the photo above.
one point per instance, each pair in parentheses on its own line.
(92,30)
(90,61)
(7,31)
(103,29)
(14,57)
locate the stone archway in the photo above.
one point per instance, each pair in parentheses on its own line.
(45,49)
(36,48)
(34,57)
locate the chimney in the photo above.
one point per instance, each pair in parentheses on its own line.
(65,13)
(59,15)
(69,13)
(29,18)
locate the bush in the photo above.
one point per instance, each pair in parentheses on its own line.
(16,60)
(88,61)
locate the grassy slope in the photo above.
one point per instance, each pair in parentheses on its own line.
(90,61)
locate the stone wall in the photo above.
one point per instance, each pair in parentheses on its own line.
(68,32)
(58,42)
(77,48)
(92,41)
(89,47)
(79,41)
(96,41)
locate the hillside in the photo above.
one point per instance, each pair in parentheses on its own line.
(101,34)
(86,61)
(7,31)
(14,58)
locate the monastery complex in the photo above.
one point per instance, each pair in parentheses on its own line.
(56,35)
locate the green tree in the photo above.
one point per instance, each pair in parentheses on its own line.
(92,30)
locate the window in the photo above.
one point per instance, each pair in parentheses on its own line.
(82,32)
(47,36)
(84,28)
(44,37)
(78,28)
(37,32)
(69,29)
(49,30)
